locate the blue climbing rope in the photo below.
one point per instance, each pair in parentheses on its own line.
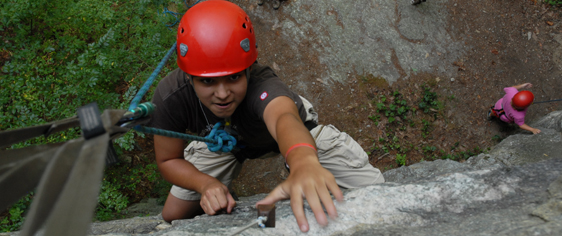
(150,80)
(188,6)
(217,141)
(175,14)
(220,136)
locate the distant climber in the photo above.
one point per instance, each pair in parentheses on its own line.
(512,107)
(416,2)
(276,3)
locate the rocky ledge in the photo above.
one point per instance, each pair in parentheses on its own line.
(514,189)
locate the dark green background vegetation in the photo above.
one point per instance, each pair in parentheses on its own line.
(58,55)
(554,2)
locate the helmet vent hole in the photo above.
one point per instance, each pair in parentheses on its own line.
(182,30)
(244,25)
(251,30)
(247,20)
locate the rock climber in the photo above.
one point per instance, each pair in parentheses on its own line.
(220,80)
(512,107)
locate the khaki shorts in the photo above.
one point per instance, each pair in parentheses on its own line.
(337,152)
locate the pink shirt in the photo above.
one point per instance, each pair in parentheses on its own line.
(511,115)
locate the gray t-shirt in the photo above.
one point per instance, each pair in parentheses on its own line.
(178,109)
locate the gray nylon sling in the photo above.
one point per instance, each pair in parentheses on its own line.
(69,176)
(31,132)
(73,211)
(51,185)
(22,175)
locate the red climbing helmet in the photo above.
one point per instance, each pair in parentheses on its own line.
(523,99)
(215,38)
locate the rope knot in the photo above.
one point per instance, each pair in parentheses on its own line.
(224,142)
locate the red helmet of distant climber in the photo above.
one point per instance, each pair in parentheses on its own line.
(523,99)
(215,38)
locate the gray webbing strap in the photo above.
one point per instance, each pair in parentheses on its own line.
(73,211)
(10,157)
(52,183)
(68,191)
(10,137)
(23,175)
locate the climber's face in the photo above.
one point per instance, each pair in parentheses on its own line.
(222,95)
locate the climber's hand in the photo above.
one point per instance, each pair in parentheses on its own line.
(215,197)
(536,131)
(310,180)
(529,128)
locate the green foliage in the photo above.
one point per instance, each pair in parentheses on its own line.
(408,134)
(455,146)
(385,149)
(449,156)
(401,159)
(397,107)
(375,118)
(460,155)
(429,149)
(497,138)
(110,200)
(67,54)
(383,98)
(429,100)
(126,183)
(14,220)
(396,110)
(425,128)
(553,2)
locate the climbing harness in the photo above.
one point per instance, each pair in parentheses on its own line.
(498,112)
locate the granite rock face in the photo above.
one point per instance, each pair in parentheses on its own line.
(551,121)
(514,189)
(385,39)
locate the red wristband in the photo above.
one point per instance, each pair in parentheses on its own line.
(299,145)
